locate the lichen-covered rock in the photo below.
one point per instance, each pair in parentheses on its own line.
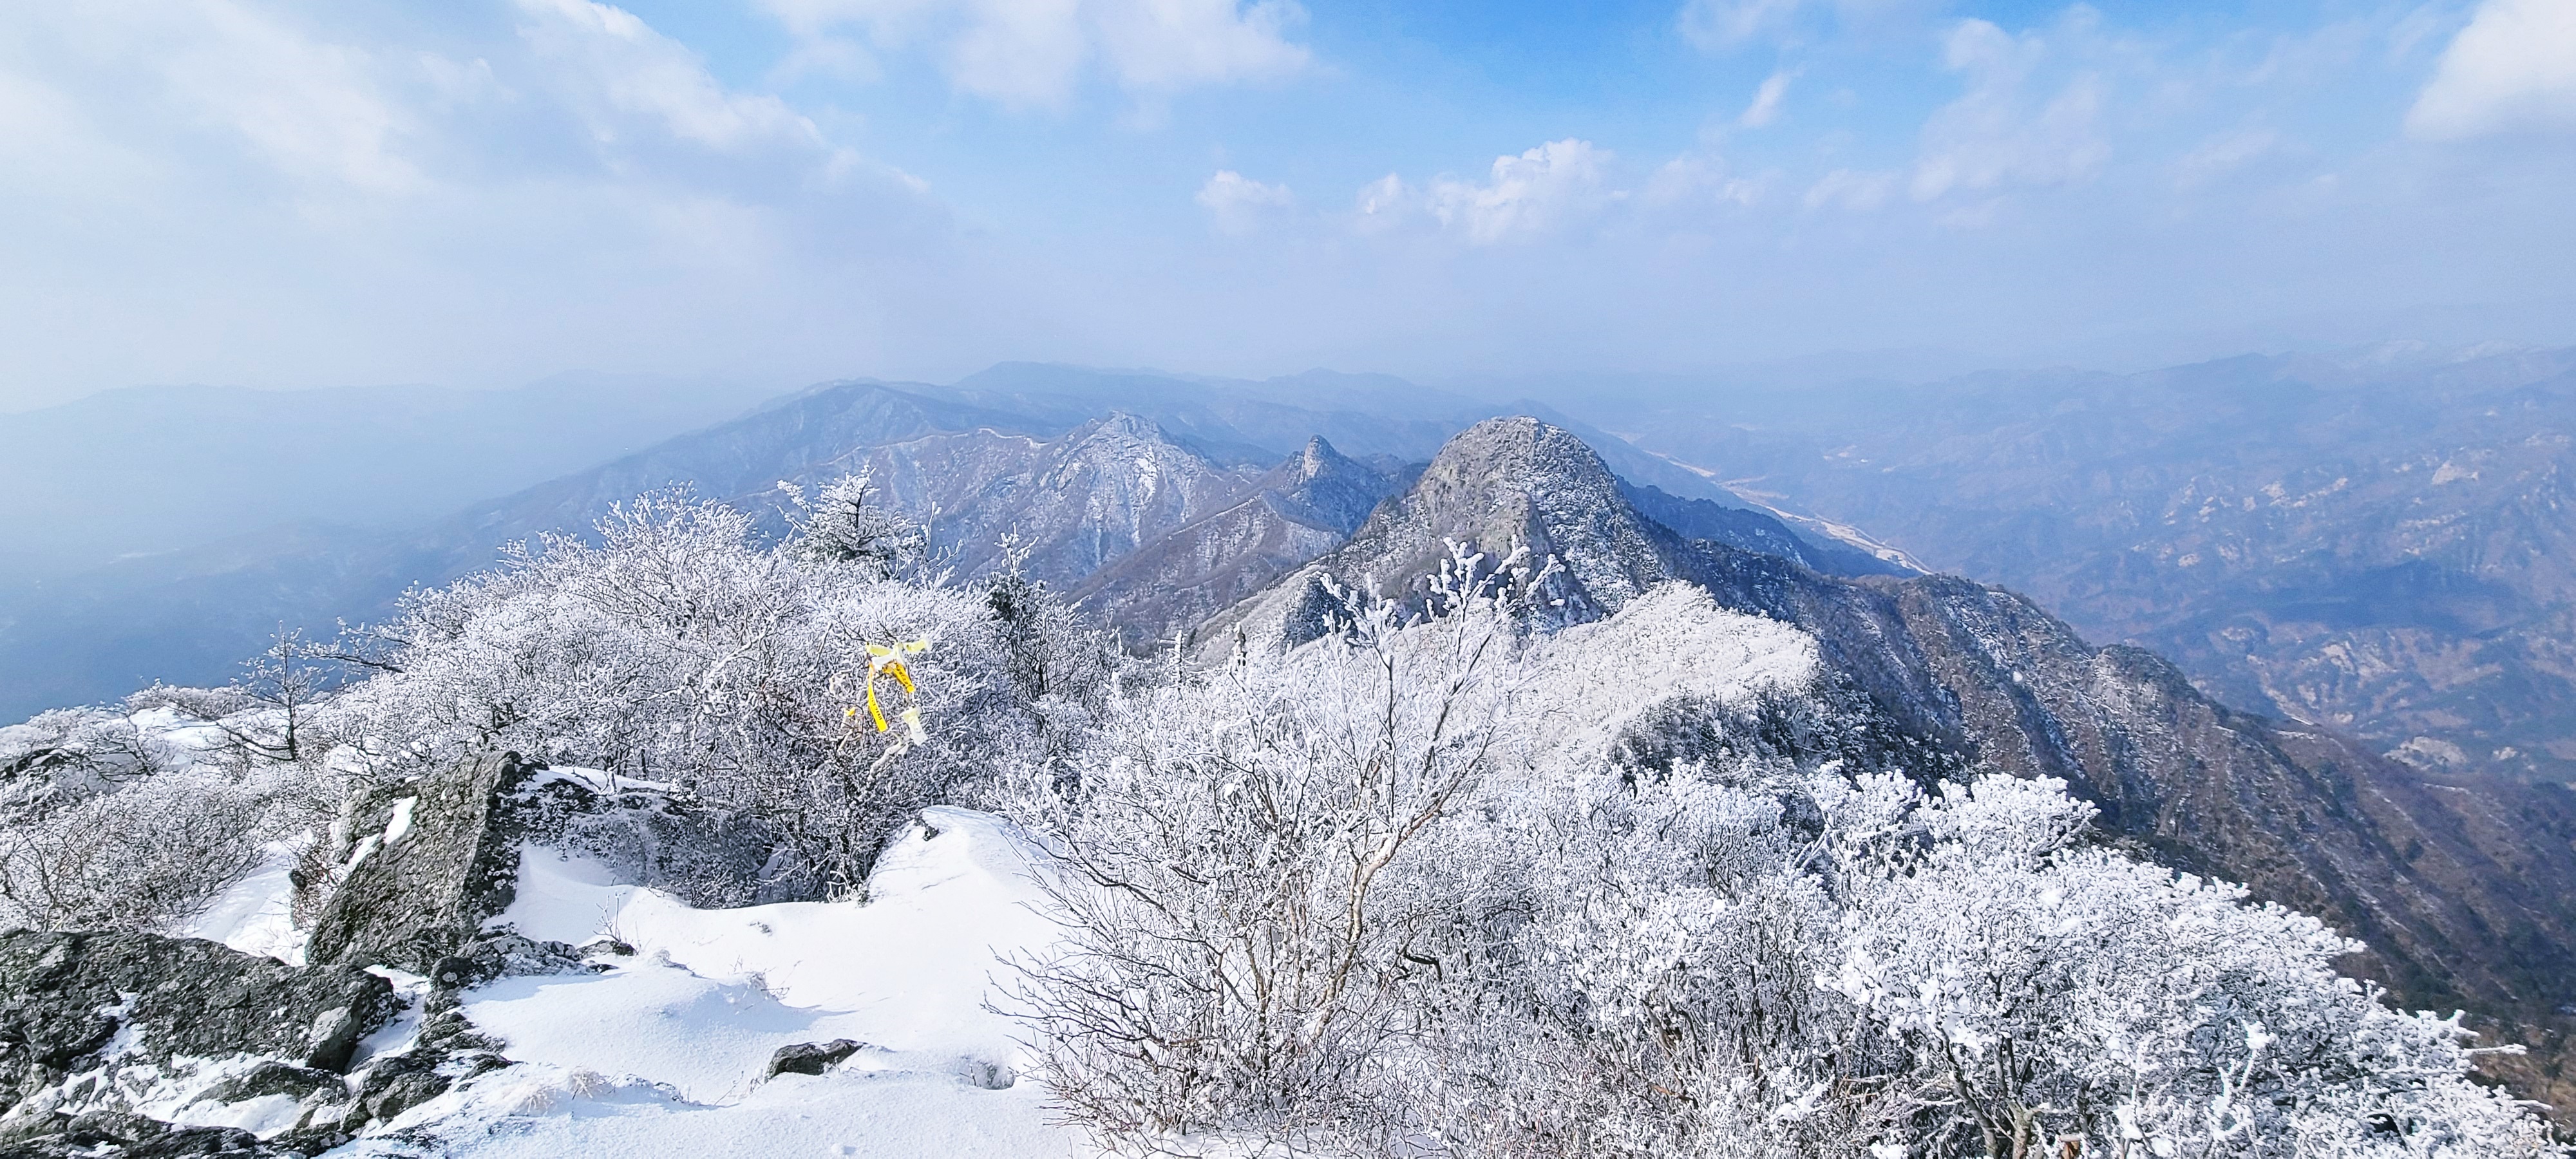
(446,861)
(89,1019)
(434,861)
(277,1078)
(64,998)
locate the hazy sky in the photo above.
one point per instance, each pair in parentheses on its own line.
(481,192)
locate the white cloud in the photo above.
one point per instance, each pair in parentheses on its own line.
(312,108)
(1766,101)
(1384,205)
(1702,178)
(2224,154)
(1714,25)
(624,68)
(1535,192)
(1239,204)
(1851,189)
(2513,68)
(1721,25)
(1996,133)
(48,145)
(1167,45)
(275,194)
(1031,53)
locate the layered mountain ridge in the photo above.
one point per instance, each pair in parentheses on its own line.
(1287,516)
(2376,543)
(1083,469)
(2458,886)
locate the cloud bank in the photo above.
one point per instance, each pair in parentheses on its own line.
(271,193)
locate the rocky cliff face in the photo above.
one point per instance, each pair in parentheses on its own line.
(2460,887)
(104,1037)
(1289,515)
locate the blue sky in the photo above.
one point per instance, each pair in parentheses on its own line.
(285,193)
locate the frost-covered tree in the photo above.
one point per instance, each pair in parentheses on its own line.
(1230,873)
(1754,950)
(67,754)
(842,525)
(283,684)
(678,648)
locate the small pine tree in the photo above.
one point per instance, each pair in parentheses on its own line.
(844,524)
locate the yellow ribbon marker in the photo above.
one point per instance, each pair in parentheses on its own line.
(887,660)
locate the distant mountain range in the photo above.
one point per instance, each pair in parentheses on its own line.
(1156,499)
(154,470)
(2383,543)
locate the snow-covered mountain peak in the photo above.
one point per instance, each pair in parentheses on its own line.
(1502,484)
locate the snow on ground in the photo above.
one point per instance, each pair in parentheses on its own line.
(664,1054)
(1673,641)
(257,914)
(534,1112)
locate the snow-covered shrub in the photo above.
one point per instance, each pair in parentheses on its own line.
(135,817)
(138,858)
(1280,934)
(840,526)
(1812,963)
(1232,875)
(2045,993)
(70,754)
(680,649)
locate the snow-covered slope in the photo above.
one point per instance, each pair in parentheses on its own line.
(667,1051)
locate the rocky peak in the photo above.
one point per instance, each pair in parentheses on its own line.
(1121,425)
(1135,458)
(1322,487)
(1319,459)
(1518,481)
(1968,676)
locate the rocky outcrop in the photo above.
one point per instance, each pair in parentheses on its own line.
(433,862)
(445,861)
(2462,889)
(65,997)
(91,1023)
(103,1037)
(813,1057)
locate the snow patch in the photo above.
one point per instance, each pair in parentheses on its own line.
(665,1052)
(257,914)
(1672,641)
(542,1112)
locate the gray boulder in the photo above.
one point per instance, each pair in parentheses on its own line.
(429,877)
(813,1057)
(64,997)
(437,859)
(99,1004)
